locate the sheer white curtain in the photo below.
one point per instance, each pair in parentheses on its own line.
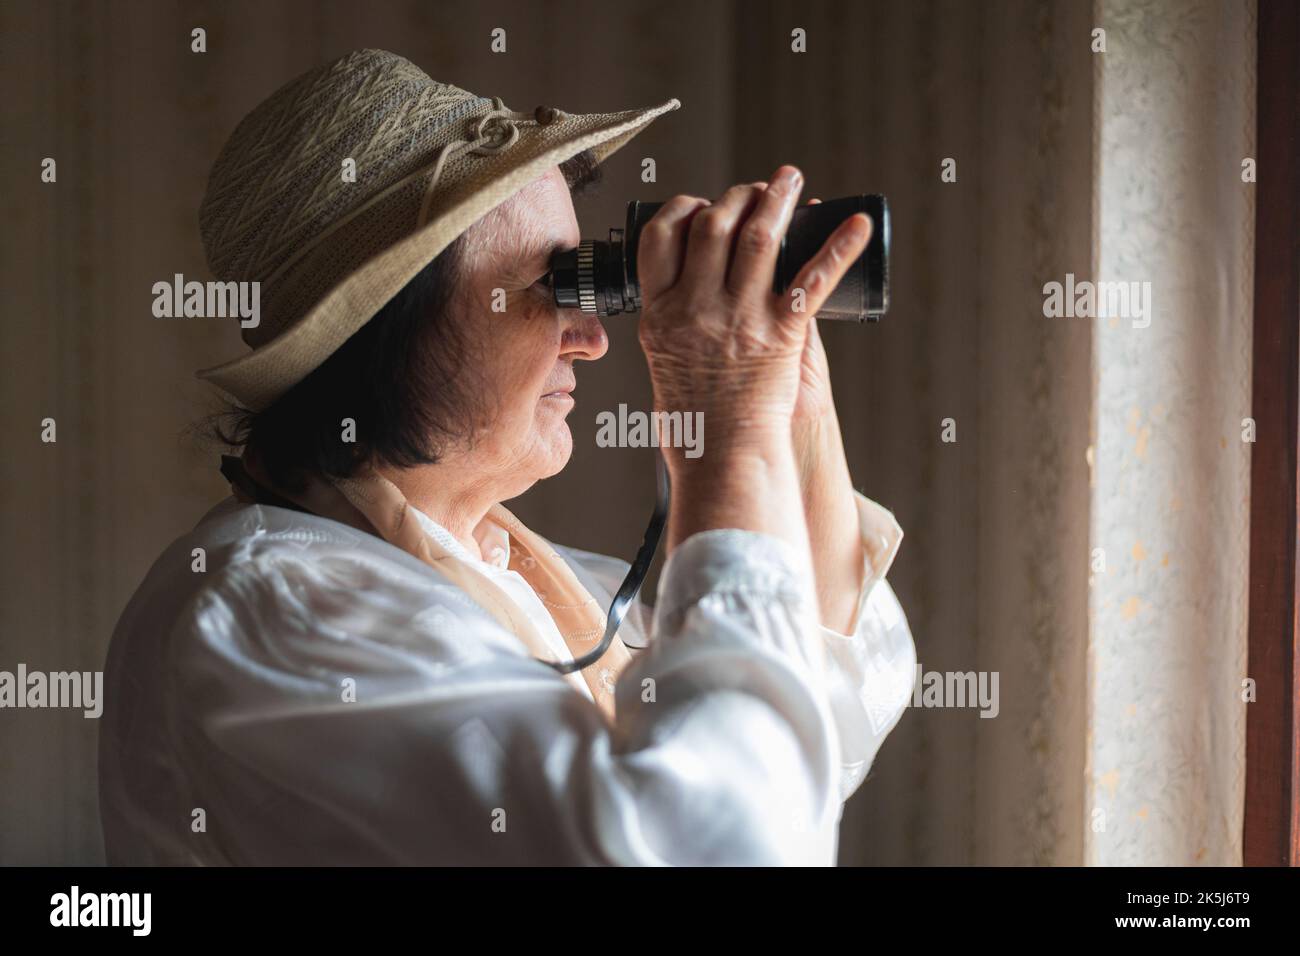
(1170,503)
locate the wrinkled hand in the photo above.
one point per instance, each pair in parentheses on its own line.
(815,398)
(717,339)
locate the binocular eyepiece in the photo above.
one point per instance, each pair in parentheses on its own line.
(600,277)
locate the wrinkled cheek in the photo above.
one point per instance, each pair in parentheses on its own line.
(531,347)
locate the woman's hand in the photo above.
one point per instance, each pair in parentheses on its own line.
(716,337)
(718,341)
(815,399)
(829,507)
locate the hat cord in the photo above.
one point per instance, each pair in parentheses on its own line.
(483,143)
(486,139)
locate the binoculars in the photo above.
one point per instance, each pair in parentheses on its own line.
(600,277)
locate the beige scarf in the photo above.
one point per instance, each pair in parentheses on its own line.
(372,503)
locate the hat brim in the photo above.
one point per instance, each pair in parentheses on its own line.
(256,379)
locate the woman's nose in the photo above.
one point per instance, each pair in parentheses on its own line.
(583,336)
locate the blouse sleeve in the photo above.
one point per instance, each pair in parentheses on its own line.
(335,707)
(870,670)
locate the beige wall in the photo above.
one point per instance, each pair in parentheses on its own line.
(989,571)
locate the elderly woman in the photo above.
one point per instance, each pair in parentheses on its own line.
(344,662)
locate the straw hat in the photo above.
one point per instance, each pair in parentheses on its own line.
(431,159)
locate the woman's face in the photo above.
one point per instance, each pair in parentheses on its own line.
(524,346)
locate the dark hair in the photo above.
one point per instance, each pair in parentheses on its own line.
(403,378)
(581,171)
(400,377)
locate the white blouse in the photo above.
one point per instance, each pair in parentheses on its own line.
(494,544)
(300,692)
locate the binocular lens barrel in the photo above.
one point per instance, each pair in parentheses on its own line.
(600,277)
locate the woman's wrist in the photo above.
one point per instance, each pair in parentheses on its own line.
(750,484)
(831,514)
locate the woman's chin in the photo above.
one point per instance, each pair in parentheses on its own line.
(556,447)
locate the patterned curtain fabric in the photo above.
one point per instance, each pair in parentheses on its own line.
(993,567)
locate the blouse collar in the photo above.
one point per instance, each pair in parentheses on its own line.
(493,541)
